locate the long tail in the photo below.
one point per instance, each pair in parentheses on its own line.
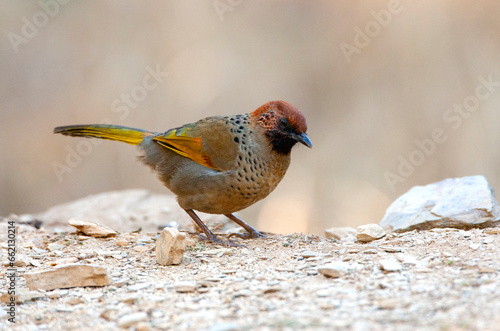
(104,131)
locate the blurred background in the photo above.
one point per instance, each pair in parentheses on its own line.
(396,94)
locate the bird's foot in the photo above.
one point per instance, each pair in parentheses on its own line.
(217,241)
(249,235)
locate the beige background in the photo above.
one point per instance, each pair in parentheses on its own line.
(364,111)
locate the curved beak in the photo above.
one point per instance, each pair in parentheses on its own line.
(303,139)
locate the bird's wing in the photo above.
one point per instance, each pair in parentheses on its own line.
(207,142)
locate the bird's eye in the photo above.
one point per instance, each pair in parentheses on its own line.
(284,122)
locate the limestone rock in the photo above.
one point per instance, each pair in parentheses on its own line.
(369,232)
(334,269)
(22,295)
(340,232)
(66,276)
(390,265)
(307,254)
(122,242)
(170,247)
(92,229)
(185,286)
(407,259)
(132,319)
(465,202)
(387,303)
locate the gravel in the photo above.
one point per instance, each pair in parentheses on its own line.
(442,279)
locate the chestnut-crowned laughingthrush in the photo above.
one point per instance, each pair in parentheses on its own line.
(219,164)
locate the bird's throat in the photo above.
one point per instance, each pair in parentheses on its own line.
(281,143)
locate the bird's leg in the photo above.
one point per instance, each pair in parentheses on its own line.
(252,233)
(209,235)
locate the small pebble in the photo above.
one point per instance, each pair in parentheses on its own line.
(334,269)
(185,287)
(140,248)
(391,249)
(369,232)
(492,231)
(387,303)
(121,282)
(138,287)
(474,246)
(307,254)
(53,295)
(74,301)
(487,270)
(121,242)
(390,265)
(131,319)
(407,259)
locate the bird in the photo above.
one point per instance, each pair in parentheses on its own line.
(218,164)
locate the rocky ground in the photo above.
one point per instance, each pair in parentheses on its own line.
(439,279)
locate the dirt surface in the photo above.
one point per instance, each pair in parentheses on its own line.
(449,280)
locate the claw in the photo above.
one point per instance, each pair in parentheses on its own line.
(249,235)
(218,241)
(252,233)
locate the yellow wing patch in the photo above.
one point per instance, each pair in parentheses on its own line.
(183,143)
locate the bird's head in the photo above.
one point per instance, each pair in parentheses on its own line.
(284,125)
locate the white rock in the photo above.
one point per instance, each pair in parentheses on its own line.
(230,326)
(307,254)
(452,203)
(369,232)
(184,287)
(22,295)
(93,296)
(474,246)
(66,276)
(334,269)
(138,287)
(120,282)
(340,232)
(390,265)
(488,240)
(92,229)
(170,246)
(407,259)
(132,319)
(387,303)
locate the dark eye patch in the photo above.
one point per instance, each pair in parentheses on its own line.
(285,126)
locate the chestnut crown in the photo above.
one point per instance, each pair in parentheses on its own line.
(284,124)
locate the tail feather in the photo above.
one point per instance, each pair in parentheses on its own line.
(103,131)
